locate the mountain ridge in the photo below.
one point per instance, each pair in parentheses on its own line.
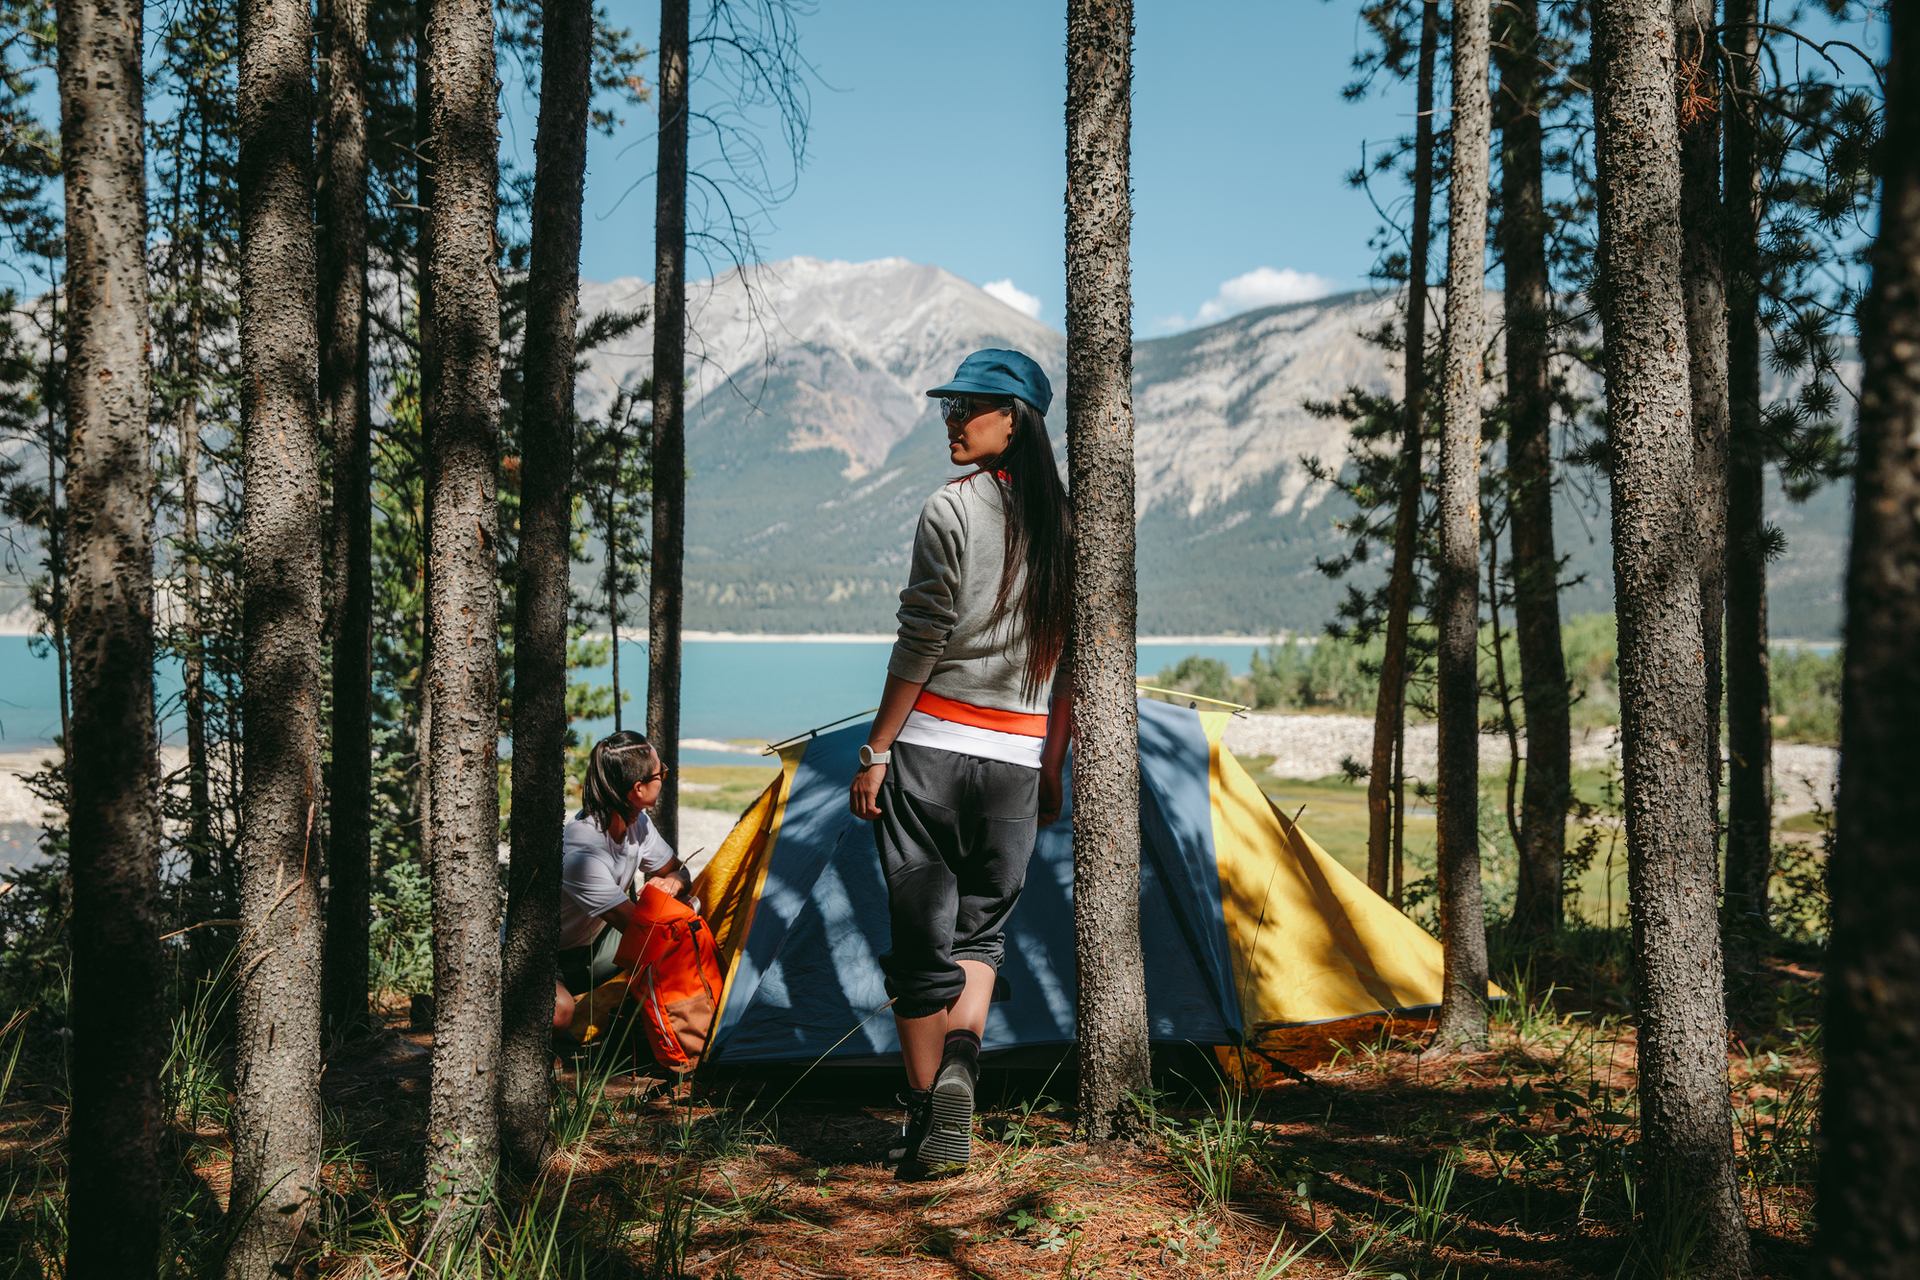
(811,446)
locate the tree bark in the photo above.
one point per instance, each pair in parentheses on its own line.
(463,435)
(667,579)
(1386,796)
(541,592)
(276,1126)
(1749,696)
(202,945)
(1686,1132)
(1112,1011)
(56,516)
(1539,895)
(119,1025)
(423,284)
(344,397)
(1701,219)
(1870,1171)
(57,459)
(1463,928)
(611,549)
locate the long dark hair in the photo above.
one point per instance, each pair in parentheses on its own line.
(618,761)
(1039,538)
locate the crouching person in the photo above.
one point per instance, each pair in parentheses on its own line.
(607,849)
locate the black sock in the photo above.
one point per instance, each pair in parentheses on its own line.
(963,1046)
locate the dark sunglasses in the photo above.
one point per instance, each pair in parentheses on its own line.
(963,408)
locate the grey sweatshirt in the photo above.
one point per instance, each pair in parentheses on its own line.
(944,641)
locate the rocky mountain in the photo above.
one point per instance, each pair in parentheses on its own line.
(811,446)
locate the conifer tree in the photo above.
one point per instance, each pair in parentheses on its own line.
(276,1124)
(1463,930)
(541,592)
(345,399)
(1386,797)
(1111,1017)
(196,386)
(460,375)
(1518,53)
(1701,219)
(119,1023)
(1870,1165)
(668,462)
(1685,1120)
(1749,854)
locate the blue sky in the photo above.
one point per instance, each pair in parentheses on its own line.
(938,134)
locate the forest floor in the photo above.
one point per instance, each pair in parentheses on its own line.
(1326,1151)
(1360,1157)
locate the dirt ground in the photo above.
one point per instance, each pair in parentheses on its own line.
(1348,1154)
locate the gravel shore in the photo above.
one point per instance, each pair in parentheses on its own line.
(1314,746)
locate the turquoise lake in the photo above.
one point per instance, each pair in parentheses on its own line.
(732,689)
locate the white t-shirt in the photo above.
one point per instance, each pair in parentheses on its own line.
(597,872)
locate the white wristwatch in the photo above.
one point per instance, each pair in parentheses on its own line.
(868,756)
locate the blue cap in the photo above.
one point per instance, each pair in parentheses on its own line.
(1000,373)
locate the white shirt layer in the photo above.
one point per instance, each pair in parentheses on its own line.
(924,730)
(597,872)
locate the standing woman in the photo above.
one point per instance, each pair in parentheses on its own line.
(963,760)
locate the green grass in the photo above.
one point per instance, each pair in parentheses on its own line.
(1334,812)
(737,785)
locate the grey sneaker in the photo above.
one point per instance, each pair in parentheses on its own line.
(949,1137)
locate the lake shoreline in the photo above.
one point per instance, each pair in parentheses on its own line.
(1303,747)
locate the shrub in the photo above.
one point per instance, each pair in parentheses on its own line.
(400,939)
(1207,677)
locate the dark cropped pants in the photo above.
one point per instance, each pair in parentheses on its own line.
(955,832)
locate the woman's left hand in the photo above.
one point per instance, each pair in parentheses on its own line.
(863,797)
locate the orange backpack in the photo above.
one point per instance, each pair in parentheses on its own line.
(675,977)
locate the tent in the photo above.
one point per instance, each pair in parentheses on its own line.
(1247,924)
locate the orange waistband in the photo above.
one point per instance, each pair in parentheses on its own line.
(1020,722)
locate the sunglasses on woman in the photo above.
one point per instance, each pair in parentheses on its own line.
(963,408)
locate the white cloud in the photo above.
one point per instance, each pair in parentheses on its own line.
(1017,298)
(1262,287)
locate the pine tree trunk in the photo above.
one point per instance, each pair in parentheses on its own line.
(1749,697)
(56,517)
(1385,794)
(1463,927)
(1686,1133)
(276,1123)
(463,436)
(344,398)
(610,547)
(56,514)
(1870,1170)
(667,579)
(1538,898)
(1112,1010)
(202,944)
(541,592)
(423,284)
(119,1024)
(1701,218)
